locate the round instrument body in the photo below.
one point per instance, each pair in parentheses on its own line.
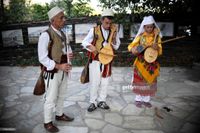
(106,55)
(150,55)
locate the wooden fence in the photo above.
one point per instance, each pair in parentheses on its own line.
(24,51)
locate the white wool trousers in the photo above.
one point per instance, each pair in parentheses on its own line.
(55,95)
(98,84)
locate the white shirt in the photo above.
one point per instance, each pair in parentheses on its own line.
(90,36)
(43,50)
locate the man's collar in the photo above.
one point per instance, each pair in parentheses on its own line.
(55,29)
(103,28)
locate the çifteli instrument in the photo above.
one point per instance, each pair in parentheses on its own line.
(106,54)
(142,46)
(150,54)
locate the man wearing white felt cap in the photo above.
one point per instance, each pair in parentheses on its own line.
(54,55)
(54,11)
(99,73)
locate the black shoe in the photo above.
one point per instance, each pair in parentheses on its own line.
(50,127)
(64,117)
(103,105)
(92,107)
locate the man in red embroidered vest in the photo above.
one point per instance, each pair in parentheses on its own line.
(99,74)
(54,56)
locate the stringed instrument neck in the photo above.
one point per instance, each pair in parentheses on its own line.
(173,39)
(113,30)
(106,54)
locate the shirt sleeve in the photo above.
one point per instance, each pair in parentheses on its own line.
(88,39)
(43,52)
(116,46)
(134,43)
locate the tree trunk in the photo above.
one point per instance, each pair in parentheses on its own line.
(2,11)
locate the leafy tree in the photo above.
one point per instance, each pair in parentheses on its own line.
(21,10)
(39,12)
(119,5)
(17,11)
(76,9)
(149,6)
(81,8)
(1,11)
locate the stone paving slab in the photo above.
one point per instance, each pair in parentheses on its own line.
(178,90)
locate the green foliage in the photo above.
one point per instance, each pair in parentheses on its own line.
(20,61)
(119,5)
(39,12)
(76,9)
(17,11)
(81,9)
(148,6)
(167,6)
(21,10)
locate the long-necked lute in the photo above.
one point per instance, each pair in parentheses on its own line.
(151,54)
(106,54)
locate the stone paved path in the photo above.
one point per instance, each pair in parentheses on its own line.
(178,90)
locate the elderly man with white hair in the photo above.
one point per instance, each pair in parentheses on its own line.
(55,59)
